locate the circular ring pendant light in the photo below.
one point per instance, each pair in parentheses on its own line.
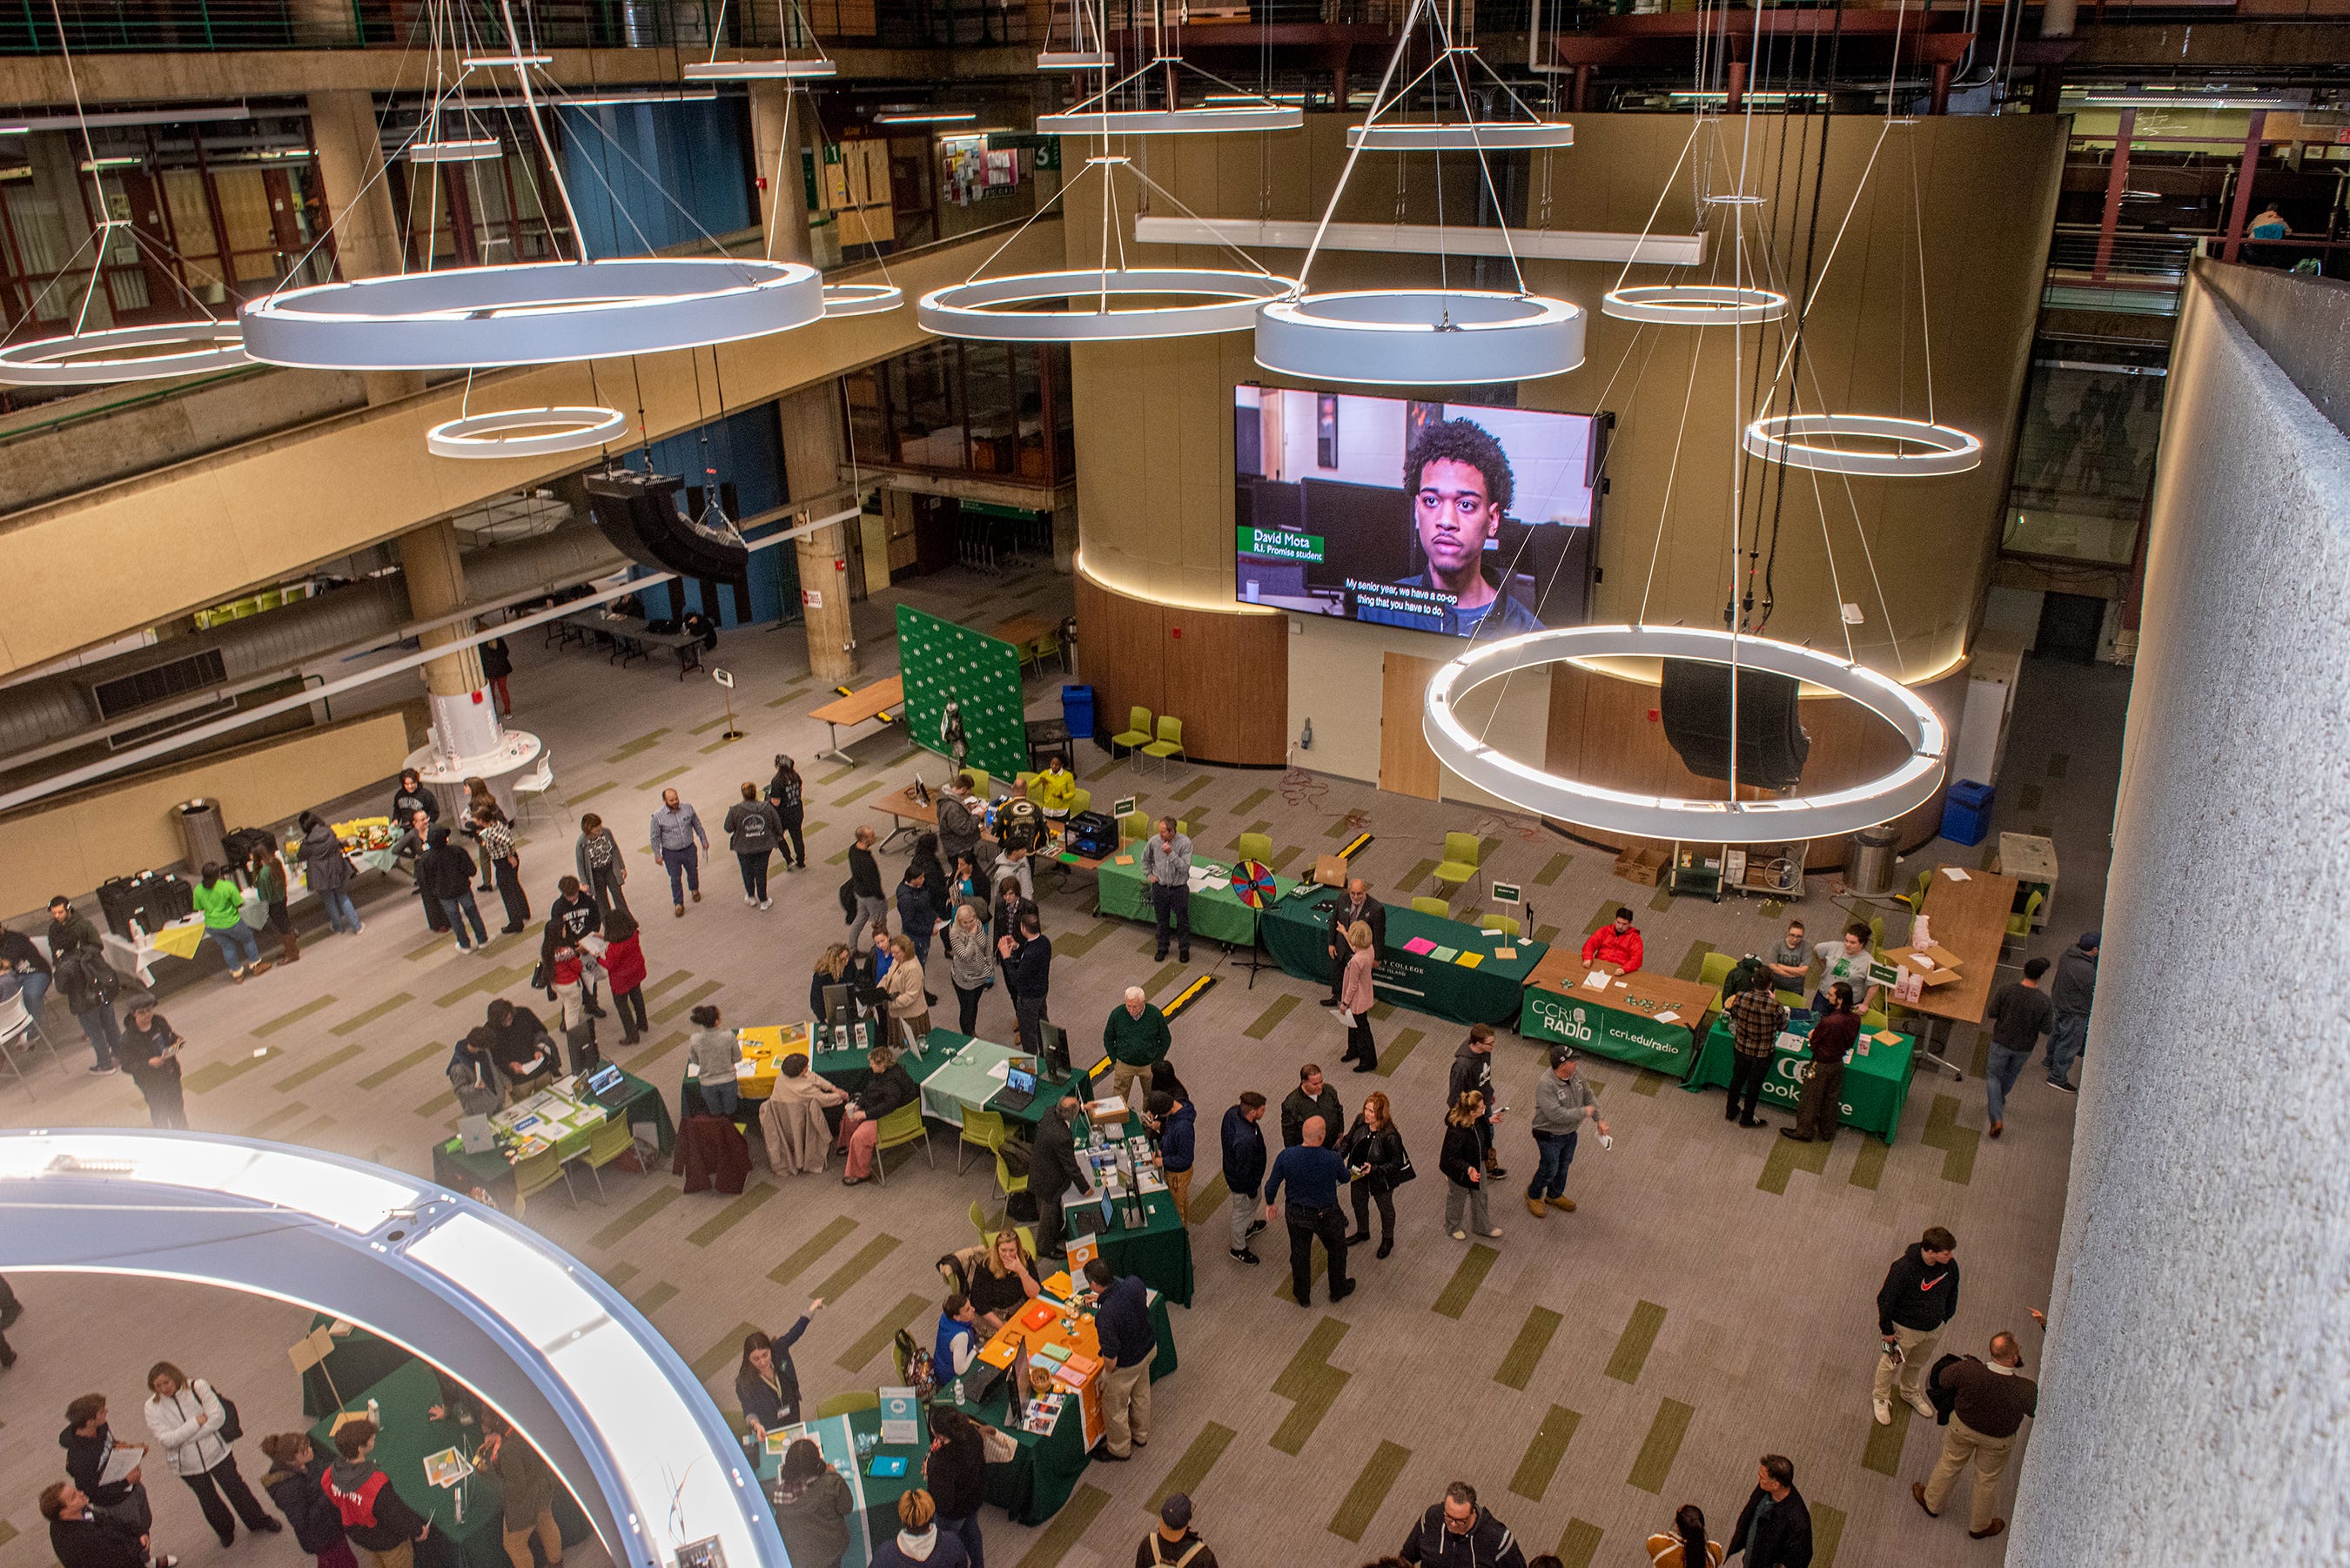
(1462,135)
(1693,304)
(1419,337)
(1229,301)
(1904,789)
(1918,448)
(117,353)
(535,313)
(1208,120)
(861,298)
(525,432)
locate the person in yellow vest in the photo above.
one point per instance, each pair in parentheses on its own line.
(1054,790)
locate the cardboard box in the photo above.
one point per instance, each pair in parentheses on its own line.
(1645,866)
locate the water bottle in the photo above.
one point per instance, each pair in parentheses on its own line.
(375,1414)
(958,1390)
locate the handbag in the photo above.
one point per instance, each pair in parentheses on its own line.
(231,1427)
(1404,1171)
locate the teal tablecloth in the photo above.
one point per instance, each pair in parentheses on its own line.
(1875,1087)
(1296,933)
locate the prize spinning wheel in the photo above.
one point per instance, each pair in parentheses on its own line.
(1252,884)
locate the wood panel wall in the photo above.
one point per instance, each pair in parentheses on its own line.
(1604,731)
(1225,676)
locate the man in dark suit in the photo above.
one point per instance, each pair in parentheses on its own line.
(1774,1530)
(1053,1169)
(1355,904)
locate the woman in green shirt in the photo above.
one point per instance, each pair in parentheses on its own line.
(222,903)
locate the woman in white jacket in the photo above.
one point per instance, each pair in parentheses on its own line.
(186,1418)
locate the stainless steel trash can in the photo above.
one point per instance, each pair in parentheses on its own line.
(1868,871)
(203,833)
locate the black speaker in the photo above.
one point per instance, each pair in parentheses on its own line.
(1695,707)
(639,514)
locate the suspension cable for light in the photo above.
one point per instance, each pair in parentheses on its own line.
(1080,56)
(785,69)
(1471,132)
(1096,117)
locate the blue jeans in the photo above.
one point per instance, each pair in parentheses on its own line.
(721,1099)
(460,910)
(103,1031)
(966,1530)
(684,867)
(236,945)
(1999,1077)
(2065,1044)
(1554,1152)
(37,992)
(342,914)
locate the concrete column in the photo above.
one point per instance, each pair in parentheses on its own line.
(812,448)
(358,199)
(464,720)
(777,135)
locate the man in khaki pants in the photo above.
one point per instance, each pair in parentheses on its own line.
(1920,1294)
(1121,1310)
(1994,1398)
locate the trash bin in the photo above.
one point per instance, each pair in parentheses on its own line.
(1869,872)
(203,833)
(1966,812)
(1077,709)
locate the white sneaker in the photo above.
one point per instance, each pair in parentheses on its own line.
(1461,1235)
(1883,1409)
(749,898)
(766,903)
(1923,1405)
(1495,1231)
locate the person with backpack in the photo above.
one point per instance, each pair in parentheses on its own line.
(295,1483)
(1756,1019)
(194,1426)
(89,983)
(752,830)
(785,792)
(1174,1543)
(374,1515)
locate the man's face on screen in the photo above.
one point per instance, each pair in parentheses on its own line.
(1455,517)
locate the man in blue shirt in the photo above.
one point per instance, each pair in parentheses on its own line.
(1312,1175)
(1128,1346)
(957,1340)
(676,830)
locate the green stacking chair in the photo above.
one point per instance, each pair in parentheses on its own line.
(1437,907)
(898,1129)
(1135,733)
(1254,847)
(1169,743)
(981,1129)
(1460,863)
(1502,923)
(848,1403)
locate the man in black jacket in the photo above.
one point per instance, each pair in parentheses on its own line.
(1472,1068)
(1355,904)
(870,902)
(1052,1171)
(1243,1144)
(574,916)
(1457,1533)
(84,1538)
(444,874)
(88,1441)
(1028,976)
(1312,1097)
(2072,994)
(1774,1528)
(1920,1294)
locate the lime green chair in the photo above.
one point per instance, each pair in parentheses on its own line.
(979,781)
(2019,924)
(1870,1022)
(1135,733)
(1714,969)
(1459,862)
(898,1129)
(848,1403)
(605,1145)
(1504,924)
(1020,782)
(1169,743)
(1437,907)
(536,1174)
(1047,646)
(981,1129)
(1006,1183)
(1133,826)
(985,1227)
(1916,897)
(1254,847)
(1080,802)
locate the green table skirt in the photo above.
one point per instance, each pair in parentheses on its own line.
(1217,913)
(453,1168)
(1875,1087)
(1619,1033)
(1296,933)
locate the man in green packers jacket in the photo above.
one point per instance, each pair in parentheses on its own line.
(1135,1037)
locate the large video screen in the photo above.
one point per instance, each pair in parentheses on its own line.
(1463,519)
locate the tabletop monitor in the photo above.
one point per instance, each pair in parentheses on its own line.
(839,1005)
(1463,519)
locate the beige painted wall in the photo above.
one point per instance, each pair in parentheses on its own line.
(1154,426)
(124,829)
(198,531)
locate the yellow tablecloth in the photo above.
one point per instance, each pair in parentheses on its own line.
(764,1049)
(181,939)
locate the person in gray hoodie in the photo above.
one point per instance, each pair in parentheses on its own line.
(2072,992)
(713,1051)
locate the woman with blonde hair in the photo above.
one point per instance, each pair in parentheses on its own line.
(920,1543)
(187,1419)
(1687,1546)
(1355,999)
(908,1001)
(970,963)
(1004,1281)
(1462,1162)
(1375,1159)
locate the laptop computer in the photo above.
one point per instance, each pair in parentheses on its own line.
(1019,1090)
(606,1081)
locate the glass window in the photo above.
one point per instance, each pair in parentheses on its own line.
(2084,459)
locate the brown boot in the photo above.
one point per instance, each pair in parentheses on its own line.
(289,948)
(1535,1207)
(259,966)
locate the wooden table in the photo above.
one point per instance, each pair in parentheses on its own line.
(2031,861)
(1970,918)
(1621,1022)
(1024,633)
(872,701)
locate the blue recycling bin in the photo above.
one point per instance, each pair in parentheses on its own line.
(1966,812)
(1077,709)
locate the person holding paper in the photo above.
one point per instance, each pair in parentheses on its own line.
(150,1049)
(1617,943)
(106,1471)
(1356,906)
(1834,1033)
(1848,961)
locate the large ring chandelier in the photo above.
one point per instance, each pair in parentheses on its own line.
(536,314)
(1907,787)
(1693,304)
(861,298)
(1229,301)
(113,354)
(1463,136)
(1207,119)
(1419,337)
(525,432)
(1915,449)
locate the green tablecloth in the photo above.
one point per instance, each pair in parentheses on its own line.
(1159,1253)
(1620,1033)
(1296,933)
(852,1442)
(1217,913)
(1876,1086)
(360,1360)
(408,1435)
(842,1069)
(453,1167)
(945,1044)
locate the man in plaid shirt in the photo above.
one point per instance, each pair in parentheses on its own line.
(1755,1019)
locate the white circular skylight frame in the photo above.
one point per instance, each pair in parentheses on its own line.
(525,432)
(86,358)
(759,70)
(540,313)
(861,298)
(972,310)
(1925,449)
(1207,120)
(1462,135)
(1419,337)
(1904,789)
(1693,304)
